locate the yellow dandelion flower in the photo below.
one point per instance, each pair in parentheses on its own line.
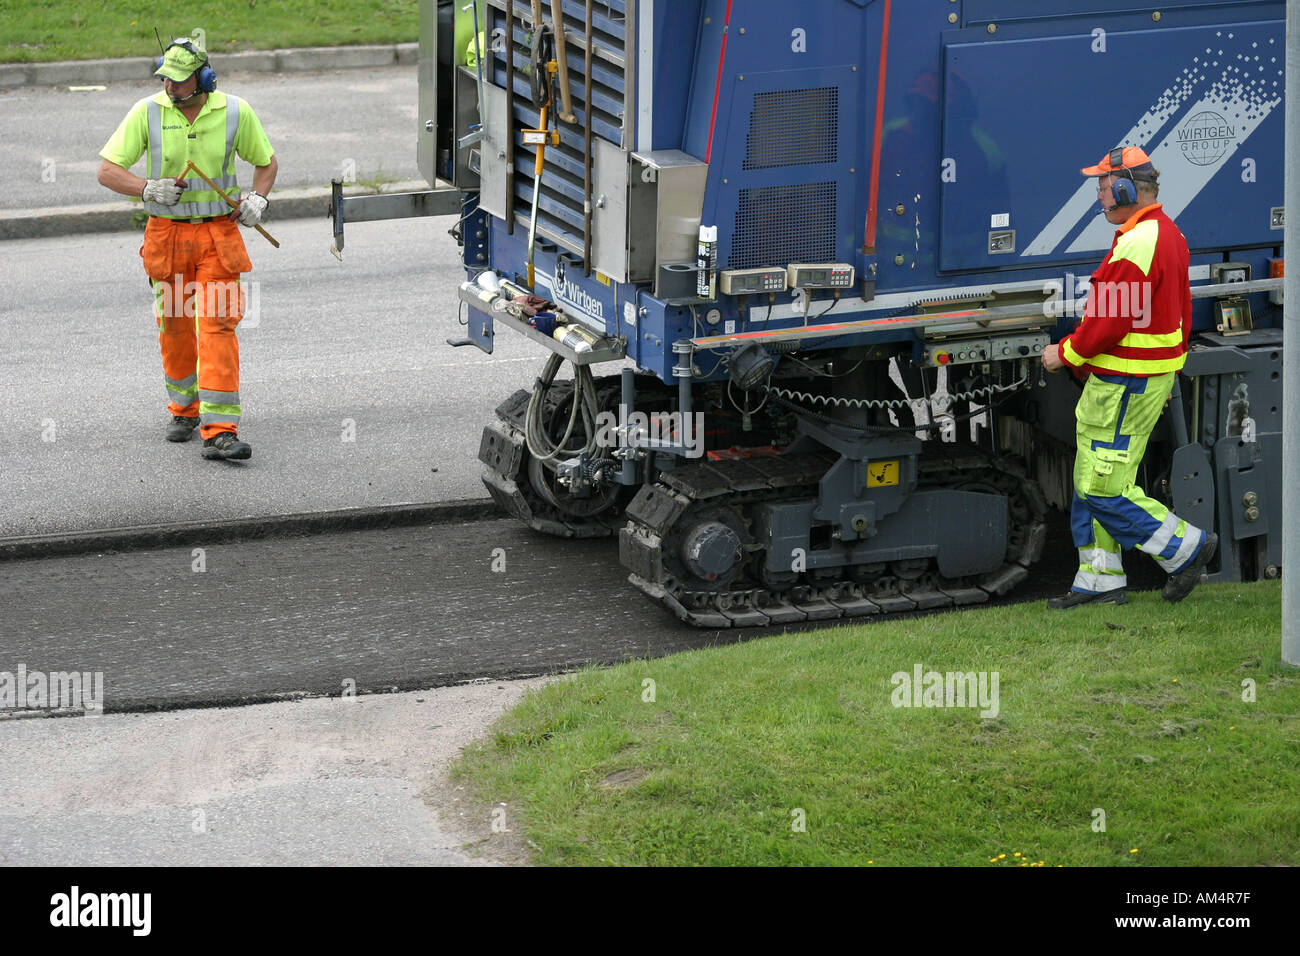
(1175,680)
(1017,854)
(1134,850)
(1002,856)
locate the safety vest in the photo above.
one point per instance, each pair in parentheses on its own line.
(209,142)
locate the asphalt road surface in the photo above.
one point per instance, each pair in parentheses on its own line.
(322,125)
(407,608)
(352,398)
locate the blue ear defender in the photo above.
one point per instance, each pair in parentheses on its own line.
(1123,186)
(206,74)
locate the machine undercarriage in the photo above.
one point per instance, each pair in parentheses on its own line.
(820,497)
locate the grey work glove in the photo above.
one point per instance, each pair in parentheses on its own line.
(163,191)
(251,208)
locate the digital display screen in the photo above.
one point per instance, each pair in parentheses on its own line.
(817,275)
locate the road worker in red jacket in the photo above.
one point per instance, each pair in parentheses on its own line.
(193,252)
(1131,343)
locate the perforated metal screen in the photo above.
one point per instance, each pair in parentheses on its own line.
(781,224)
(793,128)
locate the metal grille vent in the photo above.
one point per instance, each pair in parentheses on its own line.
(794,128)
(776,225)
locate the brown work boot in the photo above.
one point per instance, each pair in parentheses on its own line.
(181,428)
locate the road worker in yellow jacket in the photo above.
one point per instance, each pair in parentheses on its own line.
(1131,343)
(193,252)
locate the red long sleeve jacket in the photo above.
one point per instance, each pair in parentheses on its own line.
(1139,313)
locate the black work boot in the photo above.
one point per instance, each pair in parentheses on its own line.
(1075,598)
(1180,585)
(181,428)
(227,445)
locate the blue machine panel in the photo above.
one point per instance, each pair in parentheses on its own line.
(783,191)
(1022,115)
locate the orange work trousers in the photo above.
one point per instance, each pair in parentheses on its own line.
(195,270)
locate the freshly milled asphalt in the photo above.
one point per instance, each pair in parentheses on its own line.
(406,608)
(360,611)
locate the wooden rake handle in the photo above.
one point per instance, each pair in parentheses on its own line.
(230,202)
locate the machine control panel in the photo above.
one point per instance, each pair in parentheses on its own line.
(1017,345)
(822,275)
(752,281)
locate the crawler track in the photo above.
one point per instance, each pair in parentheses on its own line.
(727,491)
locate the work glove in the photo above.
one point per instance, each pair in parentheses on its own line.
(251,208)
(166,192)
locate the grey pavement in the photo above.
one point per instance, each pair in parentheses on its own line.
(296,60)
(355,124)
(337,781)
(352,398)
(322,124)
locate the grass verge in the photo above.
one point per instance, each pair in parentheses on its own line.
(1118,729)
(63,30)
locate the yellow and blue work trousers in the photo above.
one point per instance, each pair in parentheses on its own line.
(1115,416)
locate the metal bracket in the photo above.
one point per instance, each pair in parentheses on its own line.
(345,209)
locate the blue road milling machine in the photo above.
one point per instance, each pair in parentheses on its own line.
(820,247)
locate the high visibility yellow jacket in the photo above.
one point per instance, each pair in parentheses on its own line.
(226,127)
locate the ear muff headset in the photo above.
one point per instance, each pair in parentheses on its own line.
(206,74)
(1122,186)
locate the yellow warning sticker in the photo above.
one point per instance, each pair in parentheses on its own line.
(882,473)
(602,278)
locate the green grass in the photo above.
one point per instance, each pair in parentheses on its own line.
(65,30)
(1137,711)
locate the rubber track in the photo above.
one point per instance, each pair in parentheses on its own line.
(828,593)
(503,449)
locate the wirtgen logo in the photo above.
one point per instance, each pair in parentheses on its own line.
(75,908)
(1205,138)
(57,690)
(924,688)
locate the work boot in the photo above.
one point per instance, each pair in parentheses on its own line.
(1180,585)
(181,428)
(227,445)
(1075,598)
